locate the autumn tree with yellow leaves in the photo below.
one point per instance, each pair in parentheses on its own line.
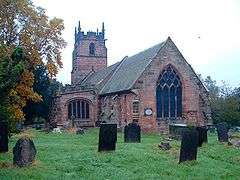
(27,27)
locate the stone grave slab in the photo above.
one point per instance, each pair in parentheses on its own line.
(202,135)
(107,137)
(222,132)
(3,137)
(24,152)
(189,145)
(132,133)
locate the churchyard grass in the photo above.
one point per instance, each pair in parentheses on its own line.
(70,156)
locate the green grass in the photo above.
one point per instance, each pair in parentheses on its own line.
(70,156)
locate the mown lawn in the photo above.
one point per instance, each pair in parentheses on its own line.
(70,156)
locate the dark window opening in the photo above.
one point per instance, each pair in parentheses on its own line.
(169,94)
(136,107)
(92,49)
(78,109)
(135,110)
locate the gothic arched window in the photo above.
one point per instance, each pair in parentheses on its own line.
(169,94)
(78,109)
(92,49)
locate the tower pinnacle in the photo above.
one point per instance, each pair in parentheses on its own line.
(79,26)
(103,28)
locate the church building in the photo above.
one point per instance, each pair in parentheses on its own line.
(154,87)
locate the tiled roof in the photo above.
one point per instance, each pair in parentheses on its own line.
(96,79)
(129,70)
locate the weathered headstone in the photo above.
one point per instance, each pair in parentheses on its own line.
(56,130)
(52,125)
(132,133)
(19,126)
(202,135)
(24,152)
(80,131)
(3,136)
(165,146)
(222,132)
(107,137)
(38,127)
(189,145)
(176,130)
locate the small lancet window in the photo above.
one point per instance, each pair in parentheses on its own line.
(135,110)
(92,49)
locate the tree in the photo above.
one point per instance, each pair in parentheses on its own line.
(27,26)
(224,102)
(13,97)
(24,25)
(45,87)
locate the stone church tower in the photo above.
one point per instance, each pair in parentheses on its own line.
(89,54)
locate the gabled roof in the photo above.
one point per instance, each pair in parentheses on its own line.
(129,70)
(96,79)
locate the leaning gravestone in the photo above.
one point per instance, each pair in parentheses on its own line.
(107,137)
(189,145)
(3,136)
(132,133)
(202,135)
(222,131)
(24,152)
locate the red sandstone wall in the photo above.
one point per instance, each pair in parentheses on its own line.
(195,97)
(192,88)
(84,62)
(61,106)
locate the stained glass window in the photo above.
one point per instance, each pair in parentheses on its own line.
(169,94)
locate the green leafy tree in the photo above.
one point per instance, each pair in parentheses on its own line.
(225,102)
(22,24)
(45,87)
(11,70)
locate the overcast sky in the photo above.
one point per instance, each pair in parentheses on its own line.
(207,32)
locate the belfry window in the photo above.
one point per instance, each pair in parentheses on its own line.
(169,94)
(92,49)
(78,109)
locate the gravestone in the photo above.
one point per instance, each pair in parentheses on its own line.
(189,145)
(107,137)
(165,146)
(52,125)
(222,132)
(24,152)
(38,127)
(202,135)
(132,133)
(3,137)
(19,127)
(80,131)
(176,130)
